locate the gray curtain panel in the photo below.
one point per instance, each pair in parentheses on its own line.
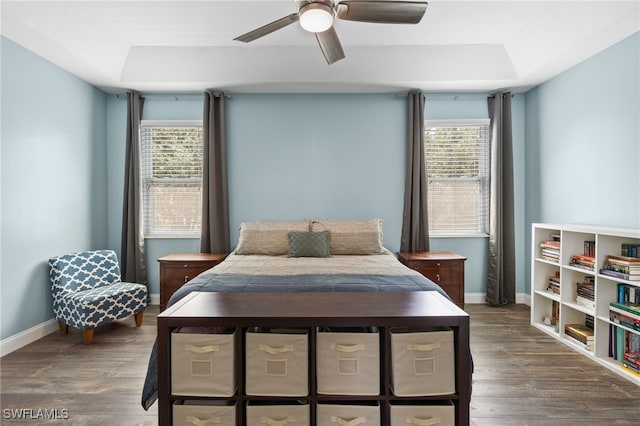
(415,220)
(132,260)
(214,236)
(501,285)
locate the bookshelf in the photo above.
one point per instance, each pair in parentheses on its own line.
(561,257)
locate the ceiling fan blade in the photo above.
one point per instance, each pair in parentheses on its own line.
(269,28)
(330,45)
(386,12)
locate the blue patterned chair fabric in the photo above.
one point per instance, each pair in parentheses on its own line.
(87,291)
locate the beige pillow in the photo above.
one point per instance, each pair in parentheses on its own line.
(268,238)
(352,236)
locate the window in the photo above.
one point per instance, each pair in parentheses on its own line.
(457,161)
(171,178)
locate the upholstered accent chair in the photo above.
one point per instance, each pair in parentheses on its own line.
(87,292)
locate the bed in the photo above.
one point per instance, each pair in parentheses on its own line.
(302,256)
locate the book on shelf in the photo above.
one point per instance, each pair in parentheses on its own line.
(550,249)
(626,260)
(589,321)
(632,342)
(590,248)
(550,253)
(634,369)
(620,275)
(633,357)
(555,315)
(616,342)
(588,345)
(585,302)
(551,244)
(625,267)
(623,343)
(617,316)
(628,293)
(550,259)
(585,292)
(628,307)
(582,262)
(631,250)
(553,285)
(581,333)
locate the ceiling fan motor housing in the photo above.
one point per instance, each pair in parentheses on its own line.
(316,16)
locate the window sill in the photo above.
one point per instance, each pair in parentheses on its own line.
(172,237)
(458,236)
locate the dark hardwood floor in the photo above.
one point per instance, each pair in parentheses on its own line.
(522,377)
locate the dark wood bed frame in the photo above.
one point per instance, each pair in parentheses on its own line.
(415,310)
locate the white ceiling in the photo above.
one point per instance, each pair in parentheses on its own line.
(188,46)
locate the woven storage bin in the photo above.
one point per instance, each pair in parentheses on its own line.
(348,363)
(277,364)
(203,364)
(347,415)
(278,415)
(423,415)
(192,413)
(422,363)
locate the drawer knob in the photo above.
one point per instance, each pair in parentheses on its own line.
(186,278)
(438,277)
(437,263)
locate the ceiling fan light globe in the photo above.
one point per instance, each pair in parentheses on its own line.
(316,18)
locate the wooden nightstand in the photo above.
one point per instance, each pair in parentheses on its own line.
(442,267)
(178,268)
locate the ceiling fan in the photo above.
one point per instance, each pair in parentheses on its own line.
(317,16)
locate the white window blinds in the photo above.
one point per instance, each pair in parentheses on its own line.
(457,165)
(172,178)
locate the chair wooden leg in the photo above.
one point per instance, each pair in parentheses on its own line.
(88,336)
(64,328)
(138,318)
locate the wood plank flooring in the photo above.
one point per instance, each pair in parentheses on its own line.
(522,377)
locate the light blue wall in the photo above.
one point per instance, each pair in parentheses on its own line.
(583,143)
(317,156)
(294,156)
(156,107)
(54,179)
(290,157)
(442,106)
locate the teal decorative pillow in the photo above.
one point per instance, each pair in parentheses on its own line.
(309,244)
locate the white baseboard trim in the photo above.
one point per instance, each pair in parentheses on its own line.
(26,337)
(482,298)
(475,298)
(17,341)
(154,299)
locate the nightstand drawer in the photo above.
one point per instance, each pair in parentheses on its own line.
(179,268)
(180,274)
(440,272)
(443,268)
